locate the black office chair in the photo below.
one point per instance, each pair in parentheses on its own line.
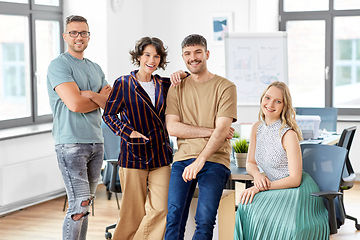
(325,163)
(348,175)
(111,176)
(328,116)
(111,152)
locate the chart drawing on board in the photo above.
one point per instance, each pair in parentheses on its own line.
(253,61)
(268,68)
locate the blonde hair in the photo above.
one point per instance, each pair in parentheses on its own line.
(288,113)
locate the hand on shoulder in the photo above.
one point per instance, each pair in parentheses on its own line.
(176,77)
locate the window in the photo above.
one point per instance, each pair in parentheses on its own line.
(306,74)
(305,5)
(30,37)
(14,71)
(47,2)
(47,48)
(15,1)
(15,94)
(324,53)
(346,80)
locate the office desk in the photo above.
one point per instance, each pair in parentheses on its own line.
(328,140)
(238,174)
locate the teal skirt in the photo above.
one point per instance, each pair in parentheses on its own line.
(284,214)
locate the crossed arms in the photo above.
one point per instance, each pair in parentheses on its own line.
(222,131)
(82,101)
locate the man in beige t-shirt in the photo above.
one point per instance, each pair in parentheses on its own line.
(200,111)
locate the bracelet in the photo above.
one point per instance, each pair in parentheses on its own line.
(187,74)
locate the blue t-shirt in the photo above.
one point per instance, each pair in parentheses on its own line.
(68,126)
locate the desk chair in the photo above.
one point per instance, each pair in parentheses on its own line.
(325,163)
(348,175)
(328,116)
(111,176)
(111,152)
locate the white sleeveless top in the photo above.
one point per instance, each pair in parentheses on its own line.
(270,154)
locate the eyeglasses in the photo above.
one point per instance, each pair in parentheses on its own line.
(75,34)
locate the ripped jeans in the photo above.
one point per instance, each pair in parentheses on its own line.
(80,166)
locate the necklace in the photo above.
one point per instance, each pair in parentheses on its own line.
(138,77)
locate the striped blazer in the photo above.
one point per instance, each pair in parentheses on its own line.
(129,108)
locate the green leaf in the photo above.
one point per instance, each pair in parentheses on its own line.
(240,146)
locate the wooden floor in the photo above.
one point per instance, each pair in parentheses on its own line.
(352,207)
(44,221)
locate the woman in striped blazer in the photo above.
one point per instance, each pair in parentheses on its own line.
(135,111)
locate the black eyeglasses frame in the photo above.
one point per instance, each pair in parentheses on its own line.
(84,34)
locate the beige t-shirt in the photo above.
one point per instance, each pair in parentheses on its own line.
(200,104)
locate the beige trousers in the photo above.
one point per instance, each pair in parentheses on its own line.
(144,204)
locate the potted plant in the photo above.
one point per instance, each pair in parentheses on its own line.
(241,147)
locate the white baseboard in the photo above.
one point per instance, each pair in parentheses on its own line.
(30,202)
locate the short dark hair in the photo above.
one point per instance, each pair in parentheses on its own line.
(142,44)
(194,39)
(75,18)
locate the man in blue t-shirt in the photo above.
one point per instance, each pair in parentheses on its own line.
(77,89)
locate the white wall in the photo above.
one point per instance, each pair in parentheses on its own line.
(124,28)
(264,15)
(170,21)
(95,12)
(181,18)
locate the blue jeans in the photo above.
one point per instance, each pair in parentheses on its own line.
(80,166)
(211,181)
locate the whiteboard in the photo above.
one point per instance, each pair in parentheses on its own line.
(253,61)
